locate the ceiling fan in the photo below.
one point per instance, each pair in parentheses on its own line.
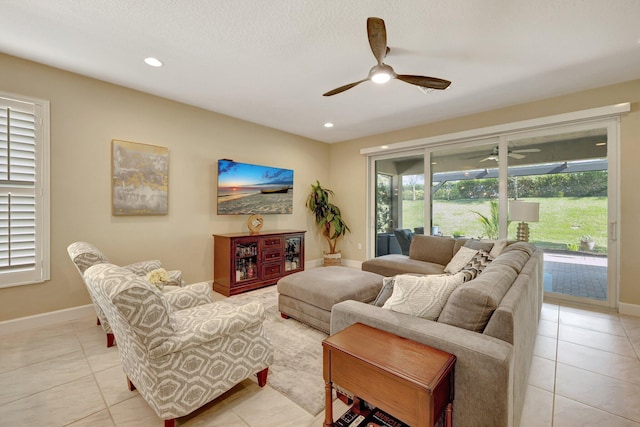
(514,154)
(381,72)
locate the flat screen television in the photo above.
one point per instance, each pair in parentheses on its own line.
(246,189)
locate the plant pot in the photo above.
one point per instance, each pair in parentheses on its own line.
(587,246)
(332,259)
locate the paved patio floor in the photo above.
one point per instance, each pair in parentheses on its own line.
(577,274)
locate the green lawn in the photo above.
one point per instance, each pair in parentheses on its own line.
(562,220)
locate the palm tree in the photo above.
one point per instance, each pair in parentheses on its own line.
(490,224)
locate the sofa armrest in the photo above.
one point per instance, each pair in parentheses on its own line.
(483,370)
(205,323)
(189,296)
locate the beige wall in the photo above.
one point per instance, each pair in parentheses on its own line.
(351,180)
(86,115)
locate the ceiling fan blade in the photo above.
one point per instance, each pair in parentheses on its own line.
(527,150)
(377,38)
(343,88)
(516,156)
(487,158)
(429,82)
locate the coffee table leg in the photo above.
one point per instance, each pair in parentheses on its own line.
(328,404)
(449,416)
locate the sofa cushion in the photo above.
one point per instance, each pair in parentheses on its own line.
(435,249)
(390,265)
(422,296)
(515,255)
(458,242)
(479,245)
(471,305)
(460,260)
(326,286)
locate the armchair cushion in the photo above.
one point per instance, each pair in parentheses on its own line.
(189,296)
(141,268)
(205,323)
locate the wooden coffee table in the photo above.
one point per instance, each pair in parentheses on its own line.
(409,380)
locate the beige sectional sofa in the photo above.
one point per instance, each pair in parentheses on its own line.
(489,323)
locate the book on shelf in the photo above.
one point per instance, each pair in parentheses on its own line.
(365,417)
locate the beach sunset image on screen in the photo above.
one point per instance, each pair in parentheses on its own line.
(246,189)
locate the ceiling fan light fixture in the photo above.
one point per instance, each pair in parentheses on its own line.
(153,62)
(381,73)
(380,77)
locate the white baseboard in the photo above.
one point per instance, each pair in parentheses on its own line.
(629,309)
(41,320)
(320,262)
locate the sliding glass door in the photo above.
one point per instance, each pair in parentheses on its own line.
(566,171)
(399,202)
(465,190)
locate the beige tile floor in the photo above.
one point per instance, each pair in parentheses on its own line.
(585,372)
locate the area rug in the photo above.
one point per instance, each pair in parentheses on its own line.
(297,369)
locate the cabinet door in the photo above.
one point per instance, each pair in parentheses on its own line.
(245,260)
(293,255)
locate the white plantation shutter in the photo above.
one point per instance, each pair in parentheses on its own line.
(24,210)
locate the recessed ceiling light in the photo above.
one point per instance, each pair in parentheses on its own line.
(384,147)
(154,62)
(328,125)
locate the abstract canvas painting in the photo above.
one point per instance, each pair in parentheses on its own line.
(140,179)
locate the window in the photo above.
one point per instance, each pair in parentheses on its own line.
(24,191)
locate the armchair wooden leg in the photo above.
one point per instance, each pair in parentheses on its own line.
(130,385)
(262,377)
(170,423)
(110,340)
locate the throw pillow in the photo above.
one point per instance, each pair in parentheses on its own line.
(477,264)
(460,259)
(498,246)
(385,291)
(422,296)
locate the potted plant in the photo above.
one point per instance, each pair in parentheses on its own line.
(586,242)
(328,219)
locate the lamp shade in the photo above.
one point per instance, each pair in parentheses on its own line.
(523,211)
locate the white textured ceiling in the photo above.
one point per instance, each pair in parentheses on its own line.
(270,61)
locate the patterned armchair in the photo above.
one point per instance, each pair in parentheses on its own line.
(84,255)
(179,359)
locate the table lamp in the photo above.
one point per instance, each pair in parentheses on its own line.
(524,212)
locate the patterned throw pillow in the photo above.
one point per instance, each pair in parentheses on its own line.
(422,296)
(475,266)
(460,259)
(385,292)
